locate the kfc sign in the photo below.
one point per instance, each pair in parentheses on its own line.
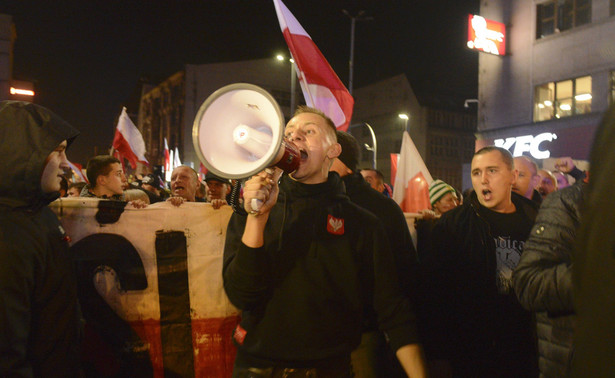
(486,35)
(527,143)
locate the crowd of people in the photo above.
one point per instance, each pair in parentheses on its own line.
(325,272)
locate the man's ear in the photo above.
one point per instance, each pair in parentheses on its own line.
(334,151)
(100,181)
(515,174)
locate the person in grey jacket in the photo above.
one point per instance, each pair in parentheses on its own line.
(543,278)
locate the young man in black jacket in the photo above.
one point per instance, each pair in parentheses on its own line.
(305,265)
(39,316)
(479,324)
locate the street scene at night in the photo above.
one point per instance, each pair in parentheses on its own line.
(286,188)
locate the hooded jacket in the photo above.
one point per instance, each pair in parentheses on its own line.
(39,314)
(303,293)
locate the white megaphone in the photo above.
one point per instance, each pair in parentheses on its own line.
(239,131)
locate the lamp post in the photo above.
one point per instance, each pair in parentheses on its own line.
(293,82)
(405,117)
(353,20)
(374,147)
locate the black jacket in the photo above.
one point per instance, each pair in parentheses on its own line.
(303,292)
(543,278)
(395,226)
(38,294)
(465,315)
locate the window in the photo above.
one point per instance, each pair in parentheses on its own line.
(559,15)
(563,98)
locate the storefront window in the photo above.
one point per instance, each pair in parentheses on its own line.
(559,15)
(563,98)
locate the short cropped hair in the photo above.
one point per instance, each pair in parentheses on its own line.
(99,166)
(506,155)
(306,109)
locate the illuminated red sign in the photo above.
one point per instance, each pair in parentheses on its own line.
(486,35)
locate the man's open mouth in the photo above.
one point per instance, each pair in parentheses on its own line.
(304,154)
(486,194)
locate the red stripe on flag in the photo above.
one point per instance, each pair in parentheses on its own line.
(121,145)
(417,195)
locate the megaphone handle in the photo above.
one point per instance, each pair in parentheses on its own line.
(256,205)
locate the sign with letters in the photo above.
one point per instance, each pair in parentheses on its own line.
(527,143)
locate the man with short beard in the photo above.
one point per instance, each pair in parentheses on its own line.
(482,329)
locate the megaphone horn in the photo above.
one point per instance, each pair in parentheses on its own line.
(239,131)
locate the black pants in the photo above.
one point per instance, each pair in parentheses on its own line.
(278,372)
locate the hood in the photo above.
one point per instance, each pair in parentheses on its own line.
(28,134)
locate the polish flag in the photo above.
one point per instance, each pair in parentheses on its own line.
(128,141)
(411,190)
(321,87)
(167,161)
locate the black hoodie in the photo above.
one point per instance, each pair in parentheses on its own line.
(38,295)
(303,292)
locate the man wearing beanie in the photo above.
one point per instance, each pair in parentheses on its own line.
(371,358)
(442,197)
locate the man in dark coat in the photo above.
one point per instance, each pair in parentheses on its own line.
(305,265)
(543,278)
(593,278)
(372,354)
(39,316)
(475,316)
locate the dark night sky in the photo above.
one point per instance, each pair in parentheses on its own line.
(87,57)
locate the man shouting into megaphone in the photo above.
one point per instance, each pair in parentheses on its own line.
(307,264)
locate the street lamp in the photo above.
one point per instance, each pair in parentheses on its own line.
(293,82)
(353,20)
(405,117)
(374,147)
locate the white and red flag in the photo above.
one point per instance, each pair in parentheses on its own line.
(411,190)
(321,87)
(128,141)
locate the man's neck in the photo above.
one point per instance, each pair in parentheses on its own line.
(102,192)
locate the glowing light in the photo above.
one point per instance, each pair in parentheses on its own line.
(486,35)
(541,106)
(24,92)
(583,97)
(279,57)
(403,116)
(565,107)
(548,103)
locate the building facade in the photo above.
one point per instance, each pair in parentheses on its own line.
(547,95)
(442,133)
(7,40)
